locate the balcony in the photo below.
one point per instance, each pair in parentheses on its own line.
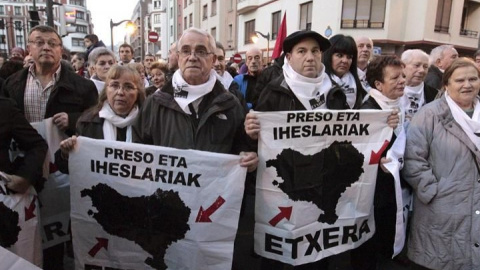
(244,6)
(361,24)
(468,33)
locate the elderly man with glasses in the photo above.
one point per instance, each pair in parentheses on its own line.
(193,110)
(47,89)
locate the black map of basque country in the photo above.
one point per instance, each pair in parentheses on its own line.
(153,222)
(320,178)
(9,228)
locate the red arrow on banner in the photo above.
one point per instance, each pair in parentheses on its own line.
(376,156)
(204,215)
(102,243)
(29,211)
(285,212)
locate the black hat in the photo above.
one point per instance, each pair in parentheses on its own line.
(298,36)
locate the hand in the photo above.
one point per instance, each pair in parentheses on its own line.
(252,125)
(67,145)
(16,183)
(249,160)
(61,120)
(384,160)
(393,119)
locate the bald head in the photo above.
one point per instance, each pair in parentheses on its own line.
(365,51)
(254,61)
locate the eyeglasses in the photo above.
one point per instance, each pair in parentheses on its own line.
(198,53)
(41,43)
(126,87)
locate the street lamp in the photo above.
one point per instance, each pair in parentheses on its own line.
(267,36)
(130,27)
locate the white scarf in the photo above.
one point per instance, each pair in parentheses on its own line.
(114,121)
(98,83)
(412,99)
(311,92)
(184,93)
(226,79)
(362,75)
(349,87)
(471,126)
(389,104)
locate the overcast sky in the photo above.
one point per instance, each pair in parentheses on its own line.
(104,10)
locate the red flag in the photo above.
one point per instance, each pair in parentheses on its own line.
(282,34)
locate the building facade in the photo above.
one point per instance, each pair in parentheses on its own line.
(394,25)
(16,22)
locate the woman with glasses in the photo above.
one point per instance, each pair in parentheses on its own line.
(113,116)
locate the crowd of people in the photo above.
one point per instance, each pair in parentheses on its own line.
(433,98)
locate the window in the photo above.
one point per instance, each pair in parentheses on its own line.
(184,22)
(275,24)
(3,39)
(214,32)
(77,2)
(363,13)
(190,18)
(205,12)
(214,7)
(78,42)
(80,15)
(81,28)
(249,31)
(230,32)
(442,21)
(18,11)
(18,25)
(156,18)
(2,10)
(19,40)
(306,16)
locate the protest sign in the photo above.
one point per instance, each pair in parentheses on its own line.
(54,193)
(19,224)
(316,182)
(145,207)
(10,261)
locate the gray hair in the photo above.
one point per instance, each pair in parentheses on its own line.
(211,40)
(408,55)
(97,52)
(437,53)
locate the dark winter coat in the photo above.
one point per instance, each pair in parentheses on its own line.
(218,128)
(72,95)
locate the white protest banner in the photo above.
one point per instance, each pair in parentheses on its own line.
(316,182)
(54,195)
(19,225)
(138,206)
(11,261)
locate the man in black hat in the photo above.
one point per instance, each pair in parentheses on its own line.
(301,85)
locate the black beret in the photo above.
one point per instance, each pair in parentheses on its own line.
(295,38)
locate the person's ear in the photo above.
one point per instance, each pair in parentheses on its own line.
(378,85)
